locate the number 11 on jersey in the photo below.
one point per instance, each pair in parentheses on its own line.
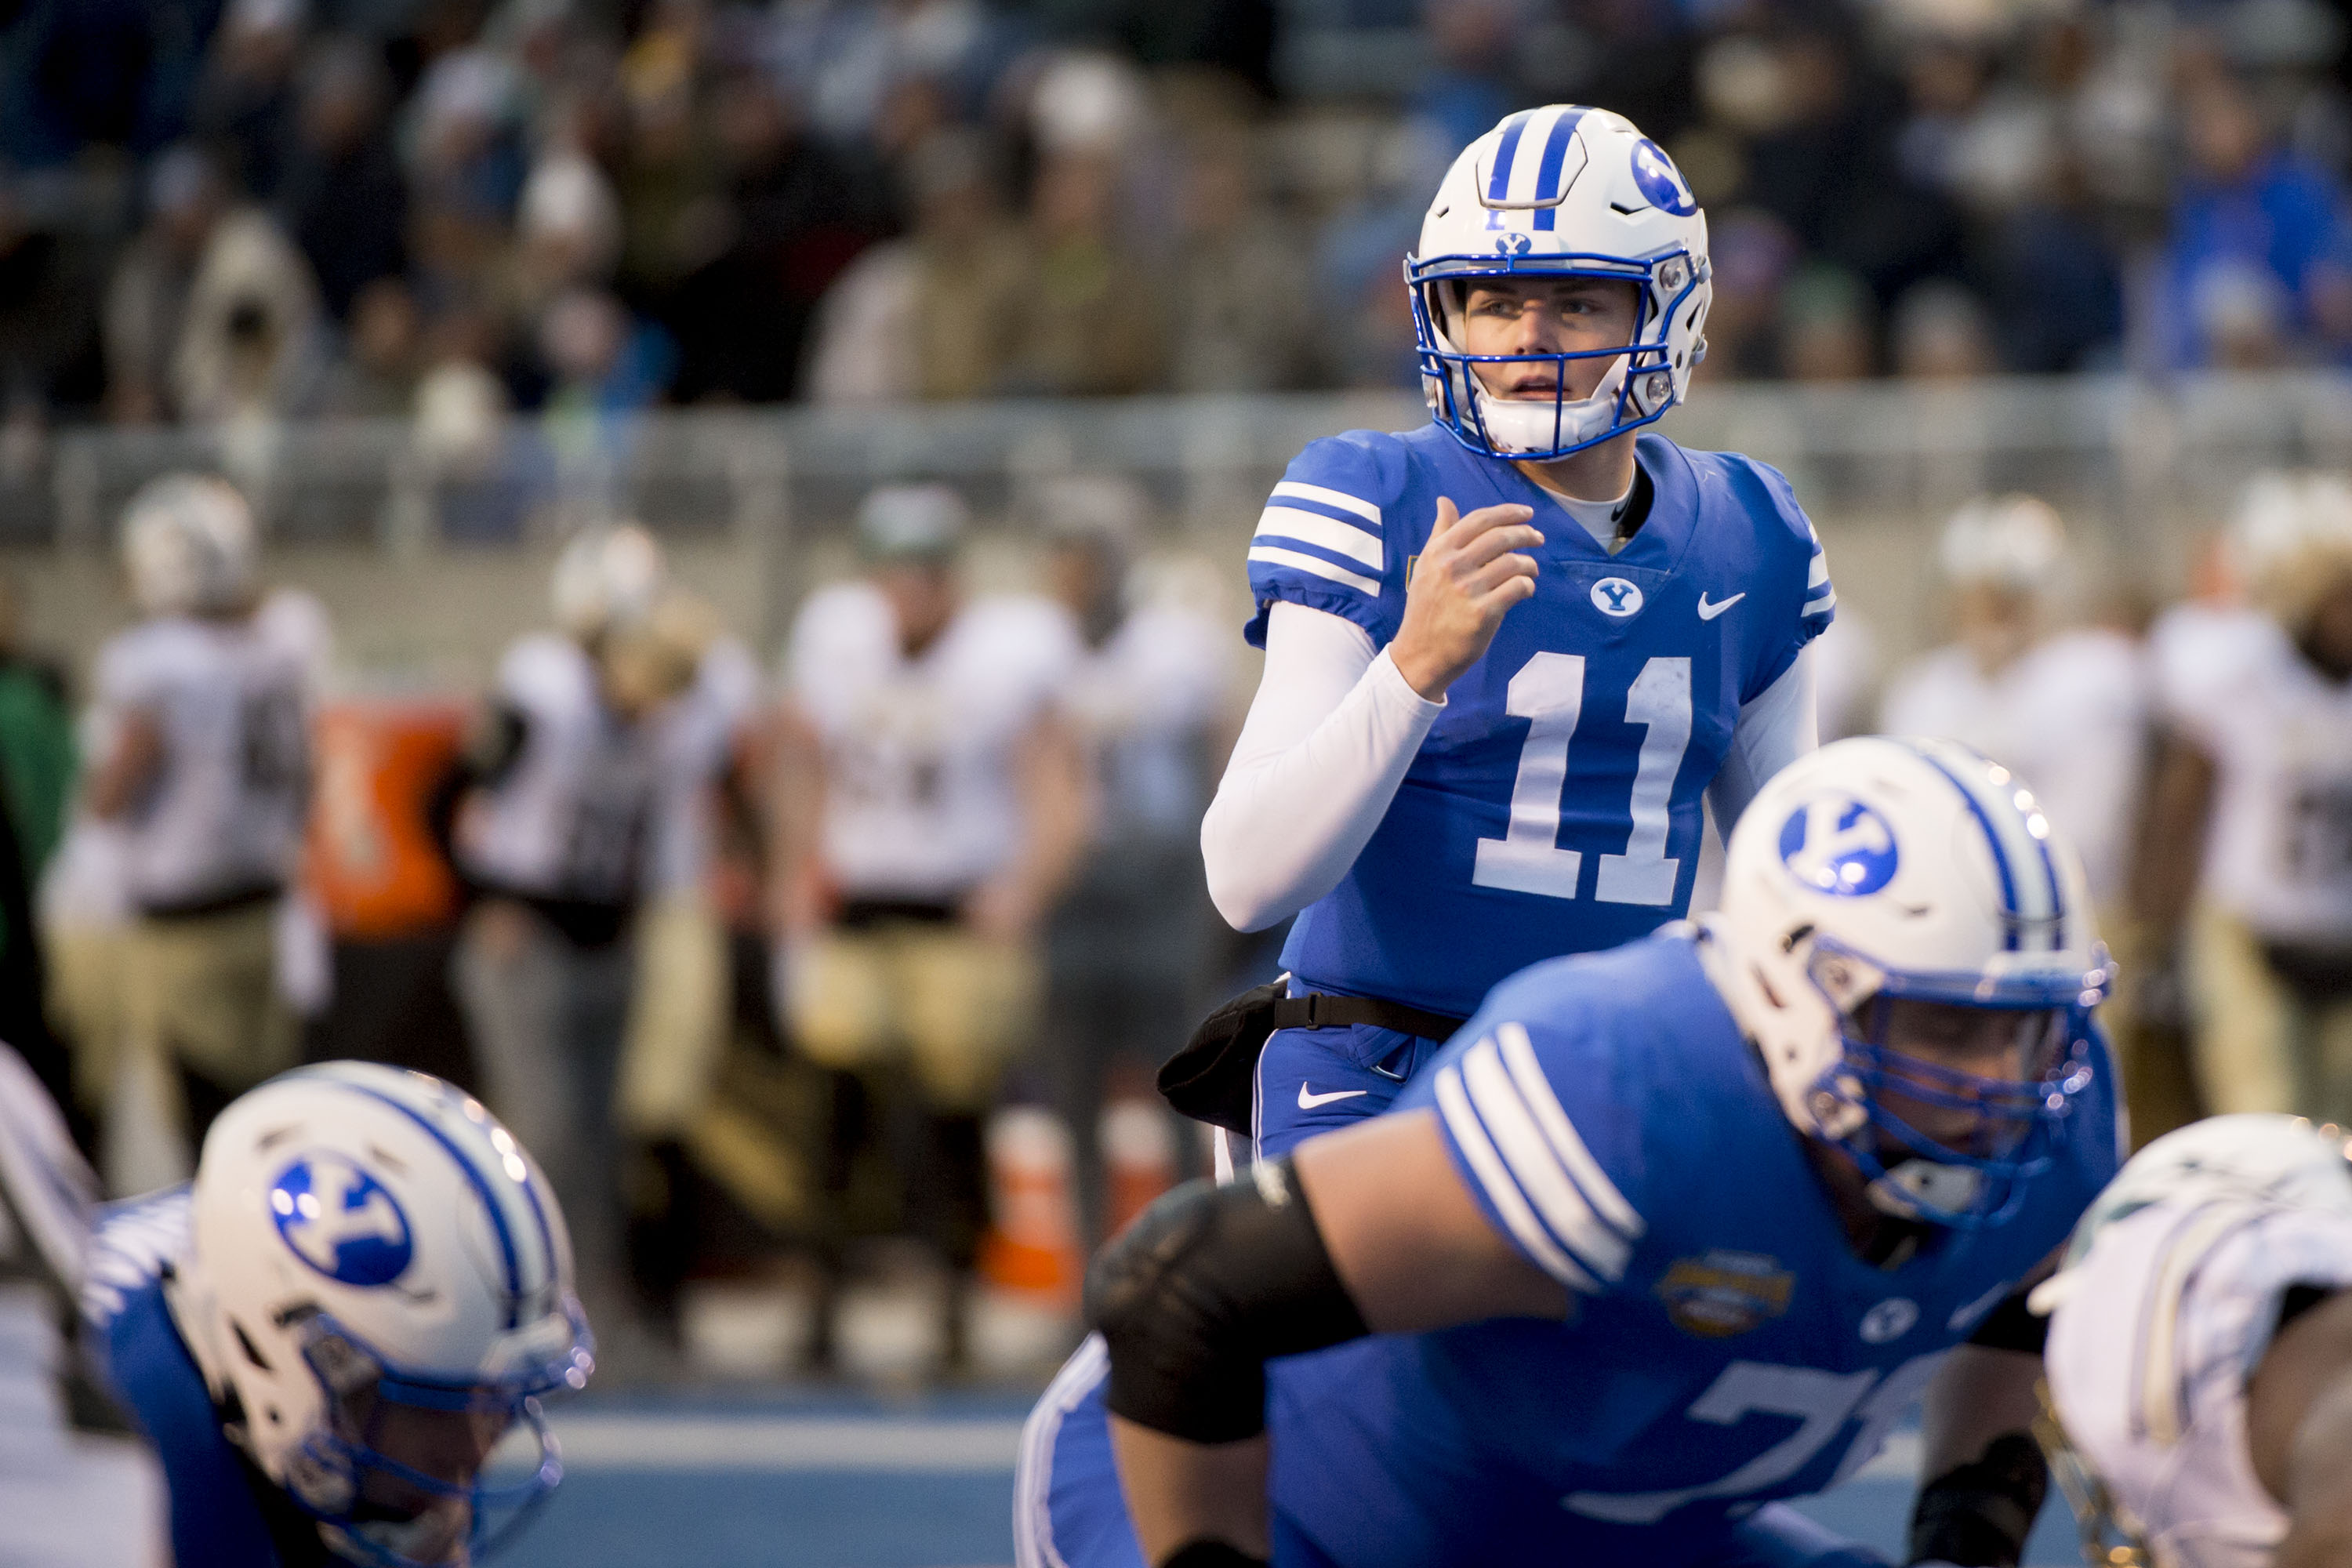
(1549,692)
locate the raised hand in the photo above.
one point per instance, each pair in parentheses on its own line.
(1469,575)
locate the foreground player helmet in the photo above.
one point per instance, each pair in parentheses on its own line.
(378,1286)
(1876,870)
(188,546)
(1562,191)
(606,575)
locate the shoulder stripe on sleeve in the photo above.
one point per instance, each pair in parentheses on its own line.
(1453,1104)
(1340,499)
(1541,1177)
(1825,600)
(1280,522)
(1317,566)
(1819,575)
(1519,1055)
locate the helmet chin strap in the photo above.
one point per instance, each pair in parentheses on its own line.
(1920,1183)
(1514,425)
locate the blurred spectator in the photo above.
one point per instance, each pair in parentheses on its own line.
(602,363)
(37,764)
(464,149)
(251,342)
(2259,239)
(1129,946)
(49,309)
(376,376)
(1940,332)
(343,198)
(147,300)
(1825,327)
(1241,321)
(933,802)
(668,177)
(790,220)
(1752,253)
(245,104)
(940,313)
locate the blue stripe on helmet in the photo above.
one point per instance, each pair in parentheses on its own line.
(481,1187)
(1554,154)
(2049,869)
(1499,184)
(1992,841)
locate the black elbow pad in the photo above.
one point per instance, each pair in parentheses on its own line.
(1201,1291)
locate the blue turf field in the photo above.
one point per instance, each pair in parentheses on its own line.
(847,1482)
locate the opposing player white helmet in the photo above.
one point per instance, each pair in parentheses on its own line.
(606,575)
(2290,541)
(1879,869)
(375,1264)
(1562,191)
(2013,541)
(188,546)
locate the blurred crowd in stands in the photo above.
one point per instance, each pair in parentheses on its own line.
(224,210)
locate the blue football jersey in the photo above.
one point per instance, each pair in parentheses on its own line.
(216,1521)
(1555,807)
(1726,1347)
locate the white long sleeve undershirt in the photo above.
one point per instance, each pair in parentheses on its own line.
(1329,735)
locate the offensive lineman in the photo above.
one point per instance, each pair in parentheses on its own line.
(367,1285)
(1446,787)
(204,707)
(2199,1358)
(1703,1313)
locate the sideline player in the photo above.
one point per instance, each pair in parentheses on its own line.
(2253,790)
(1706,1314)
(1447,787)
(206,764)
(2200,1360)
(365,1288)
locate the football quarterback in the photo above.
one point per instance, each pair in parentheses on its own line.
(1509,651)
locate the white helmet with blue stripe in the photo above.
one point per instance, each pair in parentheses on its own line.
(1878,870)
(1562,191)
(378,1288)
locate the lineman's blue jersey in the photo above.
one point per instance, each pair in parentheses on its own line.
(1555,807)
(1727,1346)
(216,1521)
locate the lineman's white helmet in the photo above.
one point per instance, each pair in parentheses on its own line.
(368,1244)
(1562,191)
(1885,868)
(2013,541)
(606,576)
(188,546)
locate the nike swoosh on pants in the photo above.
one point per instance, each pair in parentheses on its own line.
(1308,1100)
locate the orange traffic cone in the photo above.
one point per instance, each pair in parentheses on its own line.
(1031,1245)
(1139,1152)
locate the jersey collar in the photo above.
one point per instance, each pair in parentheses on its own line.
(1666,534)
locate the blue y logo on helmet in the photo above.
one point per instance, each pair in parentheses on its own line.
(1838,845)
(1660,181)
(340,1221)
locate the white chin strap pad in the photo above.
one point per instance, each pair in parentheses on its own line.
(1514,425)
(1914,1184)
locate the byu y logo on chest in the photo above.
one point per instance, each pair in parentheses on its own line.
(1617,597)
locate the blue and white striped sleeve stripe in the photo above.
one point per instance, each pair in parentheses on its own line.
(1327,533)
(1531,1165)
(1820,596)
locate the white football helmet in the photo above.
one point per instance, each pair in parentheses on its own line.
(1876,870)
(2290,541)
(2013,541)
(1562,191)
(606,575)
(188,546)
(379,1284)
(903,522)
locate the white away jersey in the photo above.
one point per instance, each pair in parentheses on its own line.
(698,731)
(570,818)
(920,798)
(1145,701)
(223,817)
(2148,1357)
(2069,717)
(2279,852)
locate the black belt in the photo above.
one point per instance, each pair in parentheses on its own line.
(1211,1080)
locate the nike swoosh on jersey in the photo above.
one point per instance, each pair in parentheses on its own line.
(1308,1100)
(1707,612)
